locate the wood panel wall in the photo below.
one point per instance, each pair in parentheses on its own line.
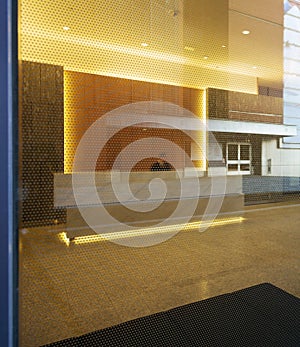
(88,97)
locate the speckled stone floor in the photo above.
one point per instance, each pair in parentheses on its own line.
(71,290)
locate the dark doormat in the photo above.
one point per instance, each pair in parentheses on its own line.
(262,315)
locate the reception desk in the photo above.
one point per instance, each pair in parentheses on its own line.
(144,198)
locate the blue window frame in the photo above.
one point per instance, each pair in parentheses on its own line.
(8,174)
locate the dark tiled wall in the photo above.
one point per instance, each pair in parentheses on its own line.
(244,107)
(262,90)
(217,103)
(42,141)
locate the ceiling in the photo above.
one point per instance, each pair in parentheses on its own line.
(263,47)
(202,34)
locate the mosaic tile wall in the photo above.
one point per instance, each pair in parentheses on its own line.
(245,107)
(42,138)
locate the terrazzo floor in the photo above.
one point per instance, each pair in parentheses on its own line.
(71,290)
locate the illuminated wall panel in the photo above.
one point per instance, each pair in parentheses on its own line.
(88,97)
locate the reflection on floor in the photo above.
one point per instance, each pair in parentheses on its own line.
(71,290)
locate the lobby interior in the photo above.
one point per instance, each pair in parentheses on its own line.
(104,94)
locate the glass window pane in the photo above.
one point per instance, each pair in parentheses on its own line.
(245,152)
(233,167)
(126,157)
(232,152)
(245,167)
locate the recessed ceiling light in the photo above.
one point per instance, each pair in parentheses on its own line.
(246,32)
(205,57)
(187,48)
(254,67)
(66,28)
(144,44)
(223,46)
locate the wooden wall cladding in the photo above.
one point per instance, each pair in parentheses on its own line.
(116,144)
(42,141)
(88,97)
(244,107)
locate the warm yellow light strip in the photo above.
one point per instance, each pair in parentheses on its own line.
(204,131)
(69,135)
(201,133)
(148,231)
(63,238)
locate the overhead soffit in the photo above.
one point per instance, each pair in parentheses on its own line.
(131,22)
(267,10)
(229,126)
(203,25)
(261,49)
